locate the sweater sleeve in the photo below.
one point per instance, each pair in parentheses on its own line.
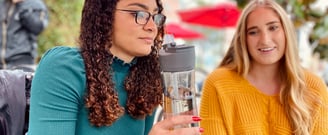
(210,112)
(321,120)
(57,93)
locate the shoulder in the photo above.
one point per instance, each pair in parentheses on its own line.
(63,58)
(61,52)
(313,81)
(61,67)
(316,84)
(224,75)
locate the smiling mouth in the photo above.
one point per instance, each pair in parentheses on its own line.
(266,49)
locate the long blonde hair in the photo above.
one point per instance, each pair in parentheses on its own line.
(296,99)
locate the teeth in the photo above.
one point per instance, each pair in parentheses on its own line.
(266,49)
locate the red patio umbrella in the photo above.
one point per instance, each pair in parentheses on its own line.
(218,16)
(182,32)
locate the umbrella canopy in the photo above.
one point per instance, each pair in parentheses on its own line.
(181,32)
(219,16)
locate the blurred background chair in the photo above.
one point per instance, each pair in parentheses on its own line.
(14,101)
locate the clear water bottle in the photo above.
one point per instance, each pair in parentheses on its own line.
(177,66)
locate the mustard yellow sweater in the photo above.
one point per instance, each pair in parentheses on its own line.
(230,105)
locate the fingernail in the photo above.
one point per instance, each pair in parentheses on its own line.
(201,130)
(196,118)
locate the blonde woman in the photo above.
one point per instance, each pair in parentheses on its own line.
(260,87)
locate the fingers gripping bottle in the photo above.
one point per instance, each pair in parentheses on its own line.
(177,70)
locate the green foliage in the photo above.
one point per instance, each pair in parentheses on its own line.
(320,31)
(320,35)
(323,50)
(64,24)
(242,3)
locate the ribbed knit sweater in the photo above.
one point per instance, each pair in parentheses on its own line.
(230,105)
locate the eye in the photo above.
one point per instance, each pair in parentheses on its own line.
(252,32)
(142,15)
(159,19)
(134,13)
(273,27)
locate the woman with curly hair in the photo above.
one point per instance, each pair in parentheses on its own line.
(111,85)
(260,87)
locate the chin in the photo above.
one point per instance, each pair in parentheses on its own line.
(144,53)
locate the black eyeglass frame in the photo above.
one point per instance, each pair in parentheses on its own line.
(136,12)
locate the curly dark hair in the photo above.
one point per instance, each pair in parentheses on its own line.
(143,84)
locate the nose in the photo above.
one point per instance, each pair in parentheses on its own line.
(265,38)
(150,25)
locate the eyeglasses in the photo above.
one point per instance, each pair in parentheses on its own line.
(142,17)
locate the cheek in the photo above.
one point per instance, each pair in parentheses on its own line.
(250,48)
(121,32)
(251,39)
(281,40)
(251,42)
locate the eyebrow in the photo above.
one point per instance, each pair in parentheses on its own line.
(142,6)
(269,23)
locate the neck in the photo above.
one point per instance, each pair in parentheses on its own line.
(264,73)
(121,56)
(265,78)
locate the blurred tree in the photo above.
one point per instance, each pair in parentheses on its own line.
(302,12)
(319,36)
(64,24)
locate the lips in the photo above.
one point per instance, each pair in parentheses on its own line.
(148,40)
(267,49)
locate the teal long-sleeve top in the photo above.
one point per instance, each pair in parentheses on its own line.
(57,98)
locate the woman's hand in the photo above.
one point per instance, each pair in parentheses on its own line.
(165,127)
